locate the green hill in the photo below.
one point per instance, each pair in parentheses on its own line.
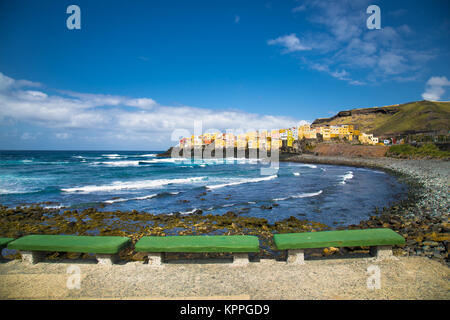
(409,118)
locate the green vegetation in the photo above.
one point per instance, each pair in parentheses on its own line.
(409,151)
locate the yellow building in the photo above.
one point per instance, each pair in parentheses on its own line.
(275,134)
(368,139)
(290,141)
(306,132)
(197,141)
(276,143)
(241,141)
(326,133)
(252,143)
(230,140)
(334,131)
(274,138)
(219,142)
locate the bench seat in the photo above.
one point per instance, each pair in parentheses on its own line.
(105,247)
(4,242)
(240,245)
(382,239)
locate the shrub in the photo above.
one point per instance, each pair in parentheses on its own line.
(425,150)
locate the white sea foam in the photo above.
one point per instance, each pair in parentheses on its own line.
(137,198)
(371,170)
(148,155)
(132,185)
(312,166)
(189,212)
(125,163)
(15,188)
(111,155)
(348,176)
(11,191)
(302,195)
(252,180)
(54,207)
(116,200)
(296,173)
(165,160)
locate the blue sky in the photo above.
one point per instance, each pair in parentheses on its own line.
(138,70)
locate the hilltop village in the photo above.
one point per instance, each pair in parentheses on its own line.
(282,138)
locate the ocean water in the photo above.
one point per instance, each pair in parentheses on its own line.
(138,180)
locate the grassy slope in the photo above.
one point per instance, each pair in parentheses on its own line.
(426,150)
(418,116)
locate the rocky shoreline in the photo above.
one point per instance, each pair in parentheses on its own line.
(422,218)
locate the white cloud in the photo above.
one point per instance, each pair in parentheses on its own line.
(435,88)
(340,41)
(7,83)
(27,136)
(143,103)
(299,8)
(62,135)
(290,42)
(106,116)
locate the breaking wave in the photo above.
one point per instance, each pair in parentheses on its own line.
(252,180)
(302,195)
(348,176)
(132,185)
(151,196)
(124,163)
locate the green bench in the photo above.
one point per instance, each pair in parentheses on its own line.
(3,243)
(239,245)
(33,247)
(380,242)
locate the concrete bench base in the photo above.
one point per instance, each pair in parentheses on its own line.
(295,257)
(32,257)
(106,259)
(382,253)
(155,259)
(379,252)
(240,259)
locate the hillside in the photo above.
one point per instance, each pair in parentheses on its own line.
(408,118)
